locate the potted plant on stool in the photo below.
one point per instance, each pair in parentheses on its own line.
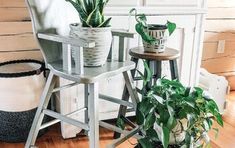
(95,28)
(154,36)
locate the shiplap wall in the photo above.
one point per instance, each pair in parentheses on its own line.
(220,25)
(16,38)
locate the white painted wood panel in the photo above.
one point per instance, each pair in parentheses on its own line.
(123,3)
(171,3)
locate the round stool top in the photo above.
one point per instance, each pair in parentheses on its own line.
(168,54)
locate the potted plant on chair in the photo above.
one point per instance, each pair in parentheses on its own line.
(154,36)
(93,27)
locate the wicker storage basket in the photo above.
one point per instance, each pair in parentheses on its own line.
(160,33)
(102,37)
(21,85)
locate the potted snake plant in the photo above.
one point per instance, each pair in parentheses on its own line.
(154,36)
(93,27)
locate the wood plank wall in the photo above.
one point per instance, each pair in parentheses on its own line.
(220,25)
(16,38)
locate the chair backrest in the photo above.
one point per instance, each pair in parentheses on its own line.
(54,16)
(51,16)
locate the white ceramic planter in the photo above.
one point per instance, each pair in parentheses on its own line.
(102,37)
(160,33)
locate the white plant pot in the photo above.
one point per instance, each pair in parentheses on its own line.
(160,33)
(102,37)
(177,134)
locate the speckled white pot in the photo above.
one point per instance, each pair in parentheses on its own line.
(102,37)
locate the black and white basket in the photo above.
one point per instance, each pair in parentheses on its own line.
(21,85)
(160,33)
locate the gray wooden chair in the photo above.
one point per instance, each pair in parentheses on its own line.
(57,55)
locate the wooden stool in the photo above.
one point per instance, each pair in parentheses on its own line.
(154,61)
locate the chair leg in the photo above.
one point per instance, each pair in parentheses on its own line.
(86,105)
(125,97)
(45,98)
(93,115)
(174,69)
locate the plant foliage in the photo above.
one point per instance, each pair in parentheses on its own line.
(169,102)
(91,12)
(141,27)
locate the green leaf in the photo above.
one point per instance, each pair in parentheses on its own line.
(171,123)
(165,136)
(152,134)
(219,119)
(171,27)
(145,143)
(105,23)
(139,116)
(141,29)
(80,9)
(95,18)
(159,99)
(150,120)
(120,123)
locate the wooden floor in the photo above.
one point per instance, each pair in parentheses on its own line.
(53,139)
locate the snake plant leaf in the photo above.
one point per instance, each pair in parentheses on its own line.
(80,9)
(89,6)
(101,4)
(94,18)
(105,23)
(171,27)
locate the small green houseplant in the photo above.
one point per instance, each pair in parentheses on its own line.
(171,115)
(93,27)
(154,36)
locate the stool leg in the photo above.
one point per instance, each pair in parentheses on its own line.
(125,97)
(93,115)
(174,69)
(158,70)
(45,98)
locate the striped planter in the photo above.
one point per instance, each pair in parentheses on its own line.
(102,37)
(160,33)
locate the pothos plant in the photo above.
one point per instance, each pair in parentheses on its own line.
(141,27)
(166,105)
(91,12)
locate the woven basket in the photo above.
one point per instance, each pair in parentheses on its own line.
(159,32)
(102,37)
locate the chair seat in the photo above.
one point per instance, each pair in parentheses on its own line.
(92,74)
